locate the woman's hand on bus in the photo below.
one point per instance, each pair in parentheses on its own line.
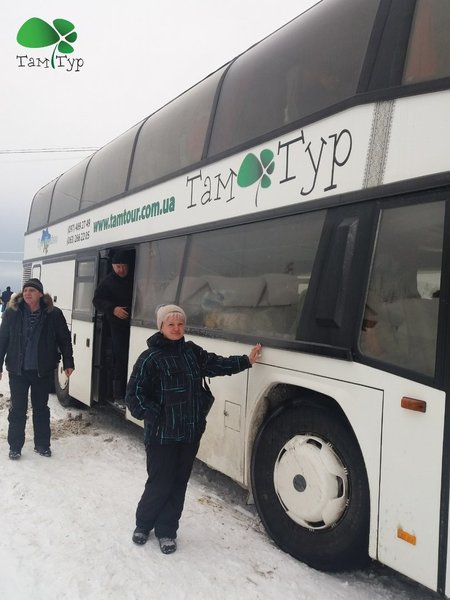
(254,354)
(68,372)
(120,312)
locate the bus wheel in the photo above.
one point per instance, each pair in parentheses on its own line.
(310,488)
(62,387)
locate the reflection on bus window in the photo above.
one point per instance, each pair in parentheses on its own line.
(312,63)
(84,287)
(252,278)
(107,172)
(67,194)
(428,55)
(41,206)
(401,318)
(174,136)
(158,265)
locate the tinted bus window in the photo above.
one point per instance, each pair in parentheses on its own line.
(401,318)
(40,207)
(107,171)
(174,137)
(428,54)
(158,265)
(312,63)
(252,278)
(67,194)
(84,287)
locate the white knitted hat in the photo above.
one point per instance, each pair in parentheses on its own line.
(167,310)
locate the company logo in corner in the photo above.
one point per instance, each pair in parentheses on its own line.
(254,169)
(37,33)
(46,239)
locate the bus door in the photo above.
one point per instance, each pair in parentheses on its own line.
(103,358)
(443,376)
(83,329)
(102,352)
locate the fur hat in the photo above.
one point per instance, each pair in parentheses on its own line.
(165,310)
(34,283)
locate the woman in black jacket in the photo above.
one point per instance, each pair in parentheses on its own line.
(165,389)
(33,336)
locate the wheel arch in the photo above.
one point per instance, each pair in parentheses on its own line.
(282,395)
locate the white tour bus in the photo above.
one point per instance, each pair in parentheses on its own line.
(299,197)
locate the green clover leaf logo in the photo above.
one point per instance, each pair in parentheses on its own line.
(255,169)
(36,33)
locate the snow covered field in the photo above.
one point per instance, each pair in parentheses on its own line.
(66,524)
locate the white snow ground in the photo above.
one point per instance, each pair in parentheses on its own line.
(66,524)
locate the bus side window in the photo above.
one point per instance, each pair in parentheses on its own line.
(283,79)
(428,55)
(401,315)
(157,269)
(251,278)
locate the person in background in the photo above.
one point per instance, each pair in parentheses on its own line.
(165,390)
(6,296)
(33,336)
(113,297)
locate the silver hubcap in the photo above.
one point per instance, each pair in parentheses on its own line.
(311,482)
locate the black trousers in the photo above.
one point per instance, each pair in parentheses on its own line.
(169,468)
(40,388)
(120,337)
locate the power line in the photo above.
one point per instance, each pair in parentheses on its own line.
(46,150)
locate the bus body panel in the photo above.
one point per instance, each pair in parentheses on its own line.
(223,443)
(411,480)
(58,281)
(419,132)
(138,343)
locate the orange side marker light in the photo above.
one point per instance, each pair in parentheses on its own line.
(405,536)
(413,404)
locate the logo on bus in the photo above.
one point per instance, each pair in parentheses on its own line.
(254,169)
(46,239)
(300,158)
(37,33)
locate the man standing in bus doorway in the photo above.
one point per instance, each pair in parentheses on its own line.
(113,297)
(33,336)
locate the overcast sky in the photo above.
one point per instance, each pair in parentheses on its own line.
(137,55)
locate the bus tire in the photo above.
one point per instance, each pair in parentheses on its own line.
(310,487)
(62,388)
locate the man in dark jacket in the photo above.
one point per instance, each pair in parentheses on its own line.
(113,297)
(6,296)
(33,335)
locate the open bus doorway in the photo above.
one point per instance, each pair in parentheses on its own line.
(113,295)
